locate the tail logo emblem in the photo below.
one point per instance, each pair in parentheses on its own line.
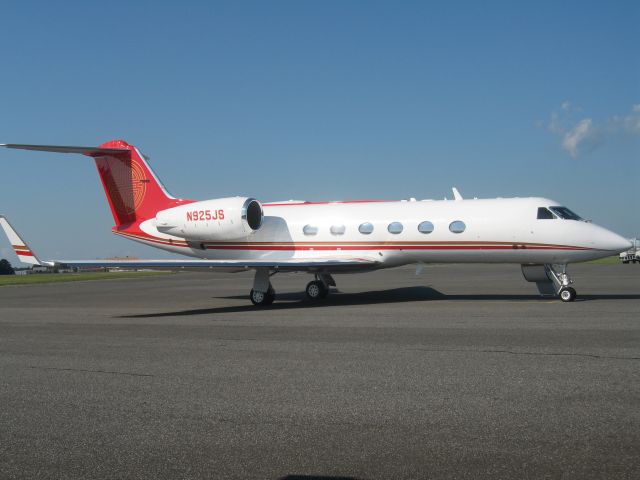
(126,182)
(138,184)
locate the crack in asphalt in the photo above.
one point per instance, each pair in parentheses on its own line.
(460,350)
(130,374)
(542,354)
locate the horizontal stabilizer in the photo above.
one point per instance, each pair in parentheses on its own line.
(90,151)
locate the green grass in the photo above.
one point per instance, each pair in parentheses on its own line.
(39,278)
(614,260)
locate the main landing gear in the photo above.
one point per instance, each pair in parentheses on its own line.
(316,290)
(551,280)
(262,299)
(319,288)
(262,294)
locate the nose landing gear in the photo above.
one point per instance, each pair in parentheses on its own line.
(562,281)
(551,280)
(567,294)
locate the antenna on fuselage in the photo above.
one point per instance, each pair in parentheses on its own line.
(456,194)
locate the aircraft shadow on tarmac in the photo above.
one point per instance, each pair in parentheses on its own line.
(295,300)
(314,477)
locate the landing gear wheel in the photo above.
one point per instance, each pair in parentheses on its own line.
(271,296)
(262,299)
(316,290)
(568,294)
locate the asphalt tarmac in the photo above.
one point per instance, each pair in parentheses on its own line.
(462,372)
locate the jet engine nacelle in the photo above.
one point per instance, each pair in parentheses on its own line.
(211,220)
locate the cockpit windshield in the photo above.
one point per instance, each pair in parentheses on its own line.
(565,213)
(545,214)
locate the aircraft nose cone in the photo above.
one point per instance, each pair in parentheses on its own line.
(616,243)
(626,245)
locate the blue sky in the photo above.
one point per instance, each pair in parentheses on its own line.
(318,101)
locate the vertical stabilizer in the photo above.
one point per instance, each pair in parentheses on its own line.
(24,253)
(133,191)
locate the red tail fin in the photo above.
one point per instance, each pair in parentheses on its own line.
(133,191)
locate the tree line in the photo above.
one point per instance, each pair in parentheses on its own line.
(6,268)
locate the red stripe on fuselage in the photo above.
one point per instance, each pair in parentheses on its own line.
(341,202)
(384,247)
(351,247)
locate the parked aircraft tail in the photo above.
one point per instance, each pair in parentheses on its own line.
(133,191)
(24,253)
(132,188)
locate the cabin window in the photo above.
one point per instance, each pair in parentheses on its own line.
(565,213)
(545,214)
(310,230)
(366,228)
(425,227)
(395,228)
(457,227)
(337,229)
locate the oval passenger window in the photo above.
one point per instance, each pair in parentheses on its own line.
(337,229)
(457,227)
(366,228)
(425,227)
(310,230)
(395,228)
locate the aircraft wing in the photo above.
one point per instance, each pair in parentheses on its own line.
(291,265)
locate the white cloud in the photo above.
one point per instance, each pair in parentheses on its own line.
(582,132)
(555,125)
(576,133)
(631,121)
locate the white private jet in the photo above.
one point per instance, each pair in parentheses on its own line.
(324,238)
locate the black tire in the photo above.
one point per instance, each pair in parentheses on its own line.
(568,294)
(271,296)
(625,261)
(260,299)
(316,290)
